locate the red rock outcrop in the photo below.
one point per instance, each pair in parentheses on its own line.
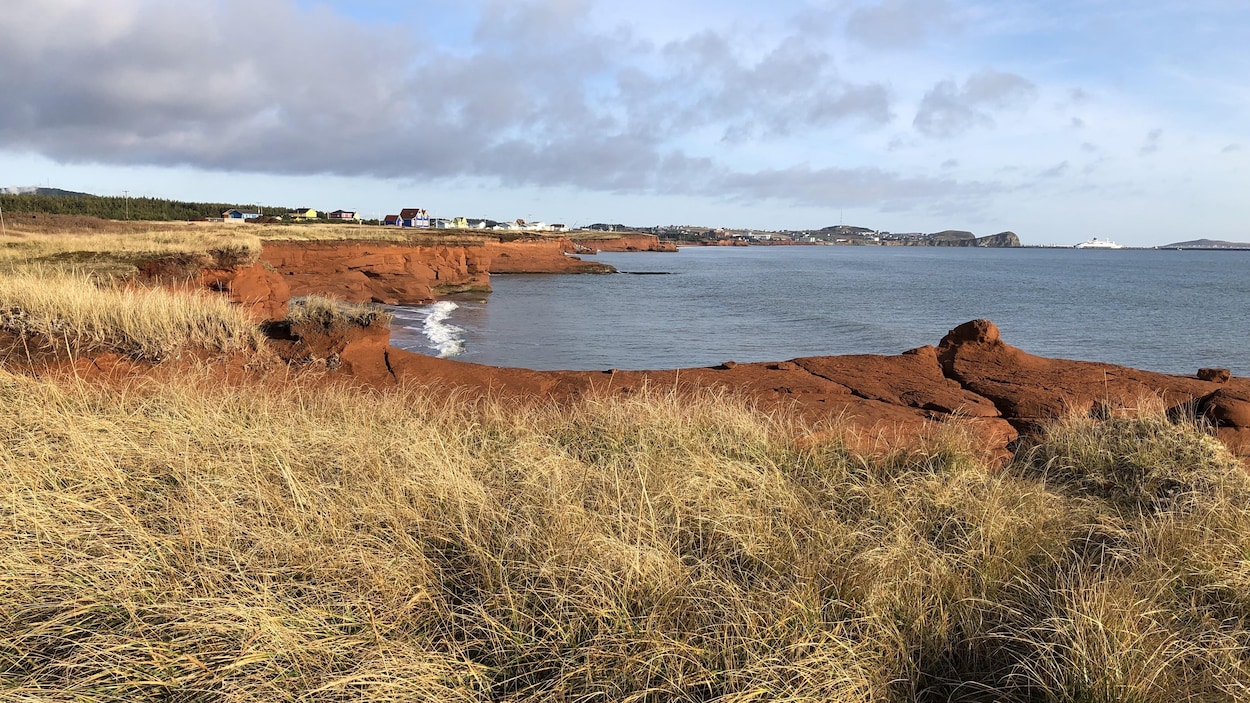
(255,287)
(890,401)
(396,273)
(1028,389)
(626,242)
(260,291)
(381,272)
(546,255)
(1228,409)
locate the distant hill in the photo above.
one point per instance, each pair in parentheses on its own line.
(845,229)
(37,190)
(1207,244)
(952,235)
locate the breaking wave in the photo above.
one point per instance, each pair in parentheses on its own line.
(444,336)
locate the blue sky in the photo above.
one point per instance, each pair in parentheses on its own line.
(1058,120)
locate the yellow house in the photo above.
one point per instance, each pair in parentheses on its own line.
(302,213)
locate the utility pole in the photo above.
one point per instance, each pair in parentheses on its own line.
(127,194)
(3,231)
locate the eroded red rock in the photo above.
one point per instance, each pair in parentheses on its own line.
(1229,406)
(1028,389)
(627,242)
(1214,375)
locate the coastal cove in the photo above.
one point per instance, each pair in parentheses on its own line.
(1166,311)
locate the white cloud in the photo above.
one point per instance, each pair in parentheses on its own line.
(948,109)
(895,24)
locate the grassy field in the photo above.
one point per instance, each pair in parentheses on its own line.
(188,541)
(108,247)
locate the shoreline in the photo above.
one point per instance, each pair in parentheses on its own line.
(970,378)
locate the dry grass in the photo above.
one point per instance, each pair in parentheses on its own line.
(332,313)
(104,247)
(75,313)
(190,542)
(115,248)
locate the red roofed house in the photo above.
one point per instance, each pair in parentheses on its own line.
(414,217)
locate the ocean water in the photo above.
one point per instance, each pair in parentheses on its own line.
(1169,311)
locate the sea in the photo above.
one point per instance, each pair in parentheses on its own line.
(1161,310)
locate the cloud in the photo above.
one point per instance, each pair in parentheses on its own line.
(803,185)
(948,110)
(794,87)
(1152,142)
(1077,123)
(1231,148)
(538,96)
(1055,171)
(897,24)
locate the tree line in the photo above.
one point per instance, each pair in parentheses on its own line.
(122,208)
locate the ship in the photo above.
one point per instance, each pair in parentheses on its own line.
(1097,243)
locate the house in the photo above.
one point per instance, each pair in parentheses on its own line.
(391,221)
(414,217)
(342,215)
(302,213)
(233,215)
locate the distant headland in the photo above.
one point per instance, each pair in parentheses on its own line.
(1209,244)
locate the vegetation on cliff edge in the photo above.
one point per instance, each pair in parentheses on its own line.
(78,314)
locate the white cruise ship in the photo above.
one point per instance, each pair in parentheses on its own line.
(1097,243)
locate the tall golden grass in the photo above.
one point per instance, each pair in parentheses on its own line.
(116,248)
(184,541)
(75,313)
(66,240)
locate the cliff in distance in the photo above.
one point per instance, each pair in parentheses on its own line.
(956,238)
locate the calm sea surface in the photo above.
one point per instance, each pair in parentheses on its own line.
(1169,311)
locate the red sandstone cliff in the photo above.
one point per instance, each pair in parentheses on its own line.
(382,272)
(546,255)
(396,273)
(626,242)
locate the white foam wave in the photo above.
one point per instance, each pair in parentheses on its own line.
(443,336)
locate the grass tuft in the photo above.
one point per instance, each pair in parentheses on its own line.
(74,313)
(332,313)
(1143,462)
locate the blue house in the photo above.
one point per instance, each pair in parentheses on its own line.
(239,215)
(414,217)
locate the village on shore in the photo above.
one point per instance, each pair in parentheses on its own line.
(419,218)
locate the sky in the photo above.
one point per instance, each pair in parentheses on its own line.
(1060,120)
